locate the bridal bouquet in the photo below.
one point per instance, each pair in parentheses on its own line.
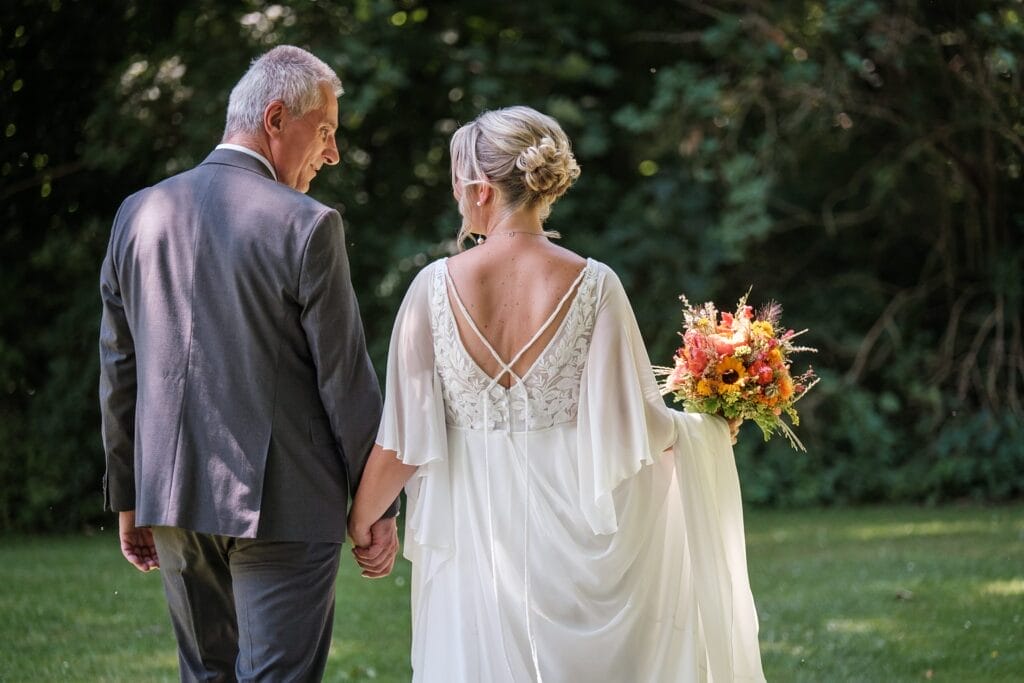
(738,365)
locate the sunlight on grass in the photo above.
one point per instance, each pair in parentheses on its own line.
(860,625)
(344,649)
(1003,588)
(895,531)
(782,647)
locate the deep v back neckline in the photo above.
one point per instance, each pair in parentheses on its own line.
(503,367)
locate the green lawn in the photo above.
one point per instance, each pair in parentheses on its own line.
(890,594)
(879,594)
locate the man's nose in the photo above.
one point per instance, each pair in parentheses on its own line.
(331,155)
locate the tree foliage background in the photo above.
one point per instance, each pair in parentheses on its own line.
(858,161)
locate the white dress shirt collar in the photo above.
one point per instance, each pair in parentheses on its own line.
(250,152)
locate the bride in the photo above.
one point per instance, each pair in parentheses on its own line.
(564,525)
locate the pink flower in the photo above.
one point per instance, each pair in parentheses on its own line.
(693,339)
(723,345)
(696,361)
(676,380)
(762,371)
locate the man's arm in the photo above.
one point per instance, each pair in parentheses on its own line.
(334,330)
(118,385)
(117,389)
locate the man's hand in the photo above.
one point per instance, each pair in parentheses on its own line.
(379,548)
(137,544)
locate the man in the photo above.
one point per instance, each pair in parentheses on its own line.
(238,400)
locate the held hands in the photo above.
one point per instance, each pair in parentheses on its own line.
(376,546)
(137,543)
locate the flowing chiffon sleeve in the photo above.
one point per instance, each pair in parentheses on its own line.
(413,423)
(624,425)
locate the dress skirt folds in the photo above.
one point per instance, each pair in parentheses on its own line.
(570,527)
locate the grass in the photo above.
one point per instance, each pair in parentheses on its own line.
(890,594)
(878,594)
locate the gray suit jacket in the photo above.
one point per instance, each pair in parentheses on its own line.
(236,392)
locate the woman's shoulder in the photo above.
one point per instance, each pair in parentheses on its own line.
(420,286)
(604,273)
(608,287)
(601,268)
(430,270)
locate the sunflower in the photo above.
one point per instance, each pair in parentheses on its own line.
(724,388)
(704,388)
(730,370)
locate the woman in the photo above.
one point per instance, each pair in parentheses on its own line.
(563,523)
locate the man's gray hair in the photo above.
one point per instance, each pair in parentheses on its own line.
(286,73)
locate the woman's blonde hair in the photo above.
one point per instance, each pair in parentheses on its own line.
(523,154)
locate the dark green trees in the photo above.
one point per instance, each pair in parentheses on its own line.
(859,162)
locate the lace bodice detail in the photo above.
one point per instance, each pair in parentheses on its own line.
(550,390)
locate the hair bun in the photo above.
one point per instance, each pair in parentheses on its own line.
(548,170)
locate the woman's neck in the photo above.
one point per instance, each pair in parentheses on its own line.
(521,221)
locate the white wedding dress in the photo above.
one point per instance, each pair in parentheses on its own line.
(552,536)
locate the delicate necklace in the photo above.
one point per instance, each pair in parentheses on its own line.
(480,239)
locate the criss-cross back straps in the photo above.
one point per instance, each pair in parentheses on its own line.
(507,367)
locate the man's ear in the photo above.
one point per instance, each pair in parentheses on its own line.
(274,118)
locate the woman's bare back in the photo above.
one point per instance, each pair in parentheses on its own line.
(510,287)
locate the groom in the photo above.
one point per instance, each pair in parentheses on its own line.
(237,397)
